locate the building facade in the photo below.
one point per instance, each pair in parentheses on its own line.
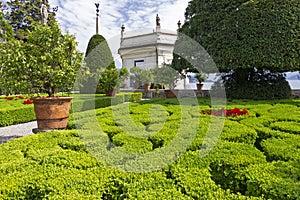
(147,49)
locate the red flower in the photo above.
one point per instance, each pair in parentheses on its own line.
(28,101)
(223,112)
(245,112)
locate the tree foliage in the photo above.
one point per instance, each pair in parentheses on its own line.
(46,62)
(141,76)
(24,13)
(251,41)
(6,30)
(165,76)
(247,34)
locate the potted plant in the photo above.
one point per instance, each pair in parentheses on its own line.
(200,77)
(123,75)
(167,77)
(142,77)
(108,81)
(46,62)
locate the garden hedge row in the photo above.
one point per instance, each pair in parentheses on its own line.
(16,116)
(25,113)
(255,156)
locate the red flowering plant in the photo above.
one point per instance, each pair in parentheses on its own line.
(28,101)
(9,98)
(235,112)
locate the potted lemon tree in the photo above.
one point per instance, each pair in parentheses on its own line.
(201,77)
(46,62)
(141,77)
(167,77)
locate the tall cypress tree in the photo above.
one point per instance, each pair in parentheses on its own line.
(101,65)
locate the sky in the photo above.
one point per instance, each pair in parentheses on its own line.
(79,17)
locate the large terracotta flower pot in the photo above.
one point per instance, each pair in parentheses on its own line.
(170,94)
(51,112)
(199,86)
(111,93)
(147,86)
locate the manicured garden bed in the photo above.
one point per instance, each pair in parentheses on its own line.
(15,110)
(257,155)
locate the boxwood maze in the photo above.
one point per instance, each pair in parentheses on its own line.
(257,157)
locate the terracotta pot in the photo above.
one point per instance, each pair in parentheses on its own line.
(111,93)
(170,94)
(199,86)
(52,112)
(147,86)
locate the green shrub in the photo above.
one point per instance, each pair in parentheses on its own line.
(286,126)
(83,104)
(58,165)
(193,177)
(228,159)
(279,180)
(259,85)
(17,116)
(153,185)
(132,144)
(285,148)
(236,132)
(132,97)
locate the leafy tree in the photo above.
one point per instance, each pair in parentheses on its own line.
(108,80)
(244,37)
(6,34)
(165,76)
(6,30)
(24,13)
(141,76)
(46,62)
(123,75)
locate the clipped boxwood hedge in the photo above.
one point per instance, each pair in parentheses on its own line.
(236,132)
(253,159)
(16,116)
(285,148)
(278,180)
(228,159)
(15,112)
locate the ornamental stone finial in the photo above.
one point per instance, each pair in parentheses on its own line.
(97,15)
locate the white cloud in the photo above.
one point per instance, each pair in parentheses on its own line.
(78,17)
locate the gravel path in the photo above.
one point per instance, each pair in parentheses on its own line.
(10,132)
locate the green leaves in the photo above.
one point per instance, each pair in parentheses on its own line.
(246,34)
(47,60)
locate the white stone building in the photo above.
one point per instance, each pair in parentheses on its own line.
(147,49)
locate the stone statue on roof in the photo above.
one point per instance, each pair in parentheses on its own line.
(44,12)
(157,20)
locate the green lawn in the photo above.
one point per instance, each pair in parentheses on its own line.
(256,156)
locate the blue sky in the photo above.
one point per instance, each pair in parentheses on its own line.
(78,16)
